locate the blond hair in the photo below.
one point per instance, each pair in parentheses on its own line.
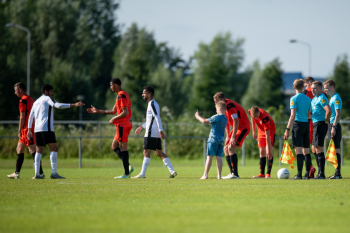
(329,82)
(219,95)
(221,105)
(317,83)
(298,84)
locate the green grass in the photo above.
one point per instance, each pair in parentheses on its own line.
(90,200)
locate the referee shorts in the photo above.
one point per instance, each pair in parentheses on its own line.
(337,137)
(320,130)
(300,134)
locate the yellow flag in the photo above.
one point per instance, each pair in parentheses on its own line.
(331,155)
(287,155)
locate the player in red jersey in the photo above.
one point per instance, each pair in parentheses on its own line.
(237,119)
(307,84)
(122,122)
(25,106)
(266,138)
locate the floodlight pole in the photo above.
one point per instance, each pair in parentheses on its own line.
(9,25)
(309,46)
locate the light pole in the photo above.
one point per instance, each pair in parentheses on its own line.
(10,25)
(309,46)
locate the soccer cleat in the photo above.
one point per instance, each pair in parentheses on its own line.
(268,176)
(38,177)
(335,176)
(173,174)
(131,169)
(306,177)
(42,175)
(297,177)
(122,177)
(320,177)
(56,176)
(225,177)
(14,175)
(259,176)
(139,176)
(312,172)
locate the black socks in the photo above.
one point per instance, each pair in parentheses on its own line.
(228,160)
(41,168)
(262,165)
(307,164)
(125,156)
(19,162)
(321,162)
(234,164)
(337,171)
(269,165)
(119,153)
(300,163)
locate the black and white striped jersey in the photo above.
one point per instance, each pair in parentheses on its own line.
(153,123)
(42,113)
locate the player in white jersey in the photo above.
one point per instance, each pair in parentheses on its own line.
(154,132)
(42,115)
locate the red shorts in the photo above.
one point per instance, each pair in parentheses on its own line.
(23,138)
(262,139)
(122,132)
(311,130)
(240,135)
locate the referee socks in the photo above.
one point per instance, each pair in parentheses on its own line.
(322,162)
(307,163)
(337,171)
(300,163)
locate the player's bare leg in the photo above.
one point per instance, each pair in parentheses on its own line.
(219,166)
(208,163)
(167,163)
(262,164)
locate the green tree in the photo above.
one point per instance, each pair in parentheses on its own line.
(216,69)
(265,86)
(341,76)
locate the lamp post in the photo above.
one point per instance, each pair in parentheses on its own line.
(309,46)
(11,25)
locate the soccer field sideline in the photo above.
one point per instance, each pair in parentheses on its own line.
(90,200)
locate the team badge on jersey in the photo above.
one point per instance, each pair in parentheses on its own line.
(323,101)
(337,102)
(292,102)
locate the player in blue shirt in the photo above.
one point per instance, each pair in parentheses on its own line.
(334,129)
(321,112)
(300,106)
(216,140)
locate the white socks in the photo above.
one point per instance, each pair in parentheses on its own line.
(145,164)
(37,160)
(168,164)
(53,158)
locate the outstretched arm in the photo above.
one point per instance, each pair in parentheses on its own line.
(201,119)
(95,110)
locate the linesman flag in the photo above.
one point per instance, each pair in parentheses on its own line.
(287,155)
(331,155)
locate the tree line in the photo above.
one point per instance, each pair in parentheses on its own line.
(78,47)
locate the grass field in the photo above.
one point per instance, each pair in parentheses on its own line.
(90,200)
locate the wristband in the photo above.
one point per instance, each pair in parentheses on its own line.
(287,129)
(334,126)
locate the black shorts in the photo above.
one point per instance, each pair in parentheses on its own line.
(337,136)
(152,143)
(300,134)
(320,131)
(43,138)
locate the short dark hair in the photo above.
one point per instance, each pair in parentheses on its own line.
(46,87)
(309,79)
(329,82)
(318,83)
(20,85)
(149,89)
(219,95)
(116,81)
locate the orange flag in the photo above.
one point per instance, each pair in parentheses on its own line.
(331,155)
(287,155)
